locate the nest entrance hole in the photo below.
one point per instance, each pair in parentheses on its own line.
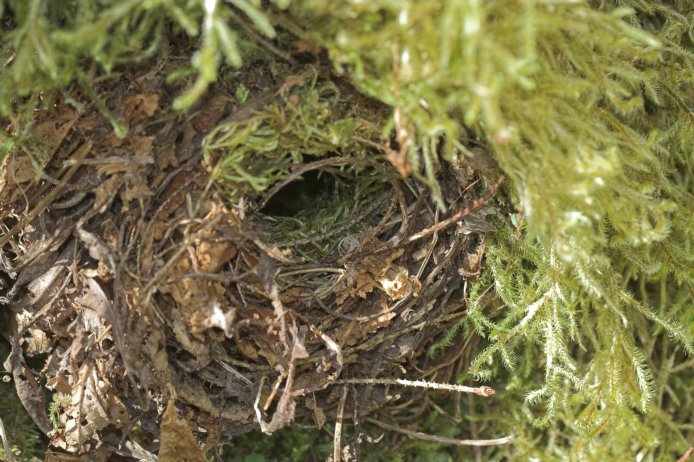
(304,193)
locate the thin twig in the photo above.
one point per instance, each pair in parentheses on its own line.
(347,317)
(457,216)
(483,391)
(337,441)
(5,443)
(312,270)
(357,424)
(259,39)
(79,155)
(440,439)
(686,455)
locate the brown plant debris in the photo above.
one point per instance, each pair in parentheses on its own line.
(155,299)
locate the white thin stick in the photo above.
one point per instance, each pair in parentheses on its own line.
(5,443)
(483,391)
(337,439)
(441,439)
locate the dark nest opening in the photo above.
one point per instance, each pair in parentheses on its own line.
(302,194)
(153,270)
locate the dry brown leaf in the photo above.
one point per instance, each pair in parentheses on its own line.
(38,342)
(141,146)
(135,189)
(277,254)
(304,46)
(187,144)
(106,192)
(29,391)
(265,338)
(212,256)
(397,283)
(55,130)
(178,444)
(140,107)
(195,392)
(364,283)
(205,119)
(20,169)
(165,153)
(247,348)
(155,348)
(195,298)
(318,413)
(472,262)
(52,456)
(365,328)
(292,295)
(93,407)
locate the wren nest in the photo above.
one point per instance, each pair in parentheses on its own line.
(253,261)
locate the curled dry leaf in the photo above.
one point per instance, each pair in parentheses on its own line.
(140,107)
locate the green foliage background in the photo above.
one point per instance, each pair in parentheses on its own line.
(586,106)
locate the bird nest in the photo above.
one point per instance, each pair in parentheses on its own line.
(245,265)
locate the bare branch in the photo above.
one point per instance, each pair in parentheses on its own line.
(440,439)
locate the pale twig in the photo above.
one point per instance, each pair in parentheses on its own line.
(312,270)
(256,403)
(275,388)
(457,216)
(333,347)
(337,440)
(5,443)
(440,439)
(686,455)
(234,372)
(483,391)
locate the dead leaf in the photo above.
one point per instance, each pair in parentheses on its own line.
(212,255)
(38,342)
(93,406)
(155,348)
(472,262)
(139,108)
(141,146)
(135,189)
(98,250)
(165,151)
(205,119)
(28,389)
(318,413)
(363,284)
(178,444)
(304,46)
(397,283)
